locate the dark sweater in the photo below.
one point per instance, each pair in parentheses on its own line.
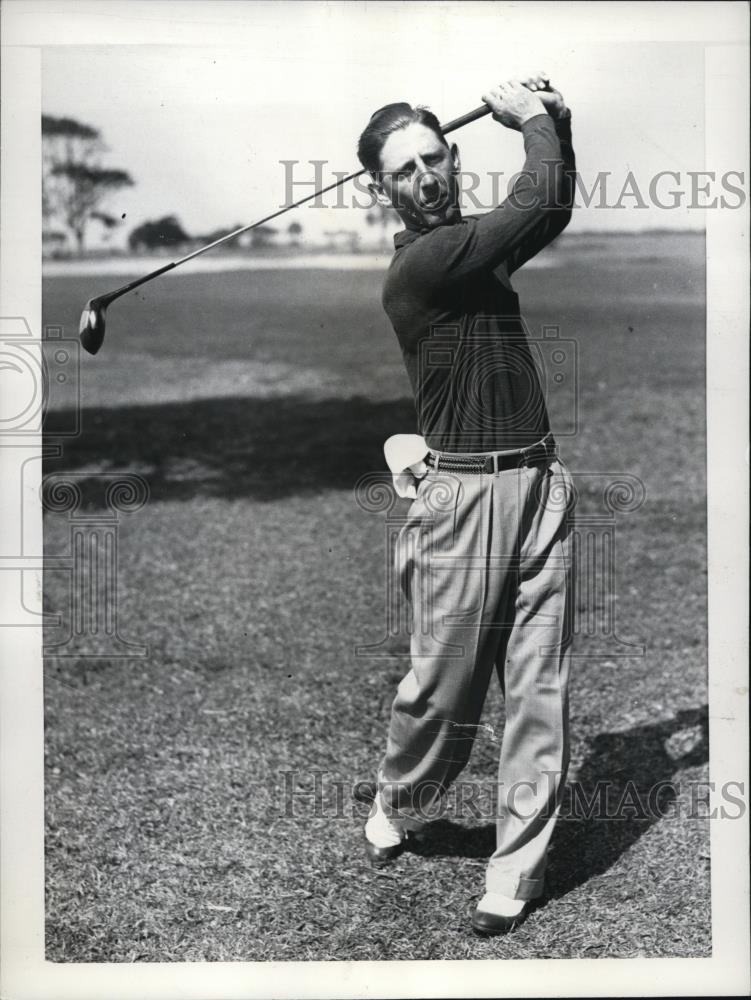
(456,315)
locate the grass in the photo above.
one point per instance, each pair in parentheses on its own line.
(181,820)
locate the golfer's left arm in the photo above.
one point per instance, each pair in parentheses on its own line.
(537,209)
(551,223)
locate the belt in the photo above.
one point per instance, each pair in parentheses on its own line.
(493,462)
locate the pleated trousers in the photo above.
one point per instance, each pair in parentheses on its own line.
(485,563)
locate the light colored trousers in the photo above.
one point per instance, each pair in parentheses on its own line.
(485,561)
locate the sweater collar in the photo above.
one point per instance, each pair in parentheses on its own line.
(407,236)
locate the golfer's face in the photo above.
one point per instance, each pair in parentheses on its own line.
(419,176)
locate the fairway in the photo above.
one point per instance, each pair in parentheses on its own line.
(197,798)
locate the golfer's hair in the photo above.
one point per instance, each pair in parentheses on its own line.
(383,123)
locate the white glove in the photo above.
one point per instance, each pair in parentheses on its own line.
(405,456)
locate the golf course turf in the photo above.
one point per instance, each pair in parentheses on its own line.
(197,798)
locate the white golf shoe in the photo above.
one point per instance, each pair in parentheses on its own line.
(385,837)
(498,914)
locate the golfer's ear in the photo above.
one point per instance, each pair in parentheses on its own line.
(456,159)
(376,189)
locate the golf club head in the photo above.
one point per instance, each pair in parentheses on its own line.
(91,327)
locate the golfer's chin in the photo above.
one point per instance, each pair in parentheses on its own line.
(445,215)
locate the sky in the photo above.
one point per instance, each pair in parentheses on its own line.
(203,130)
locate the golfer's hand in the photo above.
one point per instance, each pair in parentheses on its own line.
(513,104)
(539,84)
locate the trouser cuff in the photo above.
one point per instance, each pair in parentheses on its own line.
(397,803)
(513,886)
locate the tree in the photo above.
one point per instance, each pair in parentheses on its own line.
(74,183)
(219,234)
(294,229)
(343,238)
(84,190)
(109,222)
(166,232)
(262,236)
(64,140)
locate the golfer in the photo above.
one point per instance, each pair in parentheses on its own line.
(484,557)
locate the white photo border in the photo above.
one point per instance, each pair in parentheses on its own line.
(723,27)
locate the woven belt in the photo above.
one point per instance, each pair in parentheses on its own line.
(493,462)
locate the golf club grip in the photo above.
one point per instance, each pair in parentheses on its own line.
(471,116)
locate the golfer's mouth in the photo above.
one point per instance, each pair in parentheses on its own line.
(436,206)
(436,211)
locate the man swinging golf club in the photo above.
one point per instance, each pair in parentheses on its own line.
(484,556)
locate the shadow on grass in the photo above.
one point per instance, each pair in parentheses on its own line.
(264,449)
(636,769)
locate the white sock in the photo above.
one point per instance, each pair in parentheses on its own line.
(501,906)
(381,830)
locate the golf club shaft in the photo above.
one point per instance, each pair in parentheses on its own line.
(451,126)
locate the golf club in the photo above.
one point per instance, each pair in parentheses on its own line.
(92,325)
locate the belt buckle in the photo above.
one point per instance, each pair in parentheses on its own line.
(541,449)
